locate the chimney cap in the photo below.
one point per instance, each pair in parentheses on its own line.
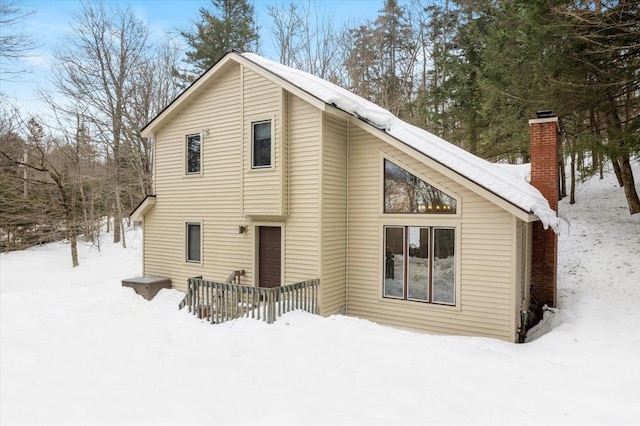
(545,113)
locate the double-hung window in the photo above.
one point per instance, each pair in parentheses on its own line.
(193,154)
(193,242)
(261,144)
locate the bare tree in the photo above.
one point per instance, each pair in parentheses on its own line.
(15,43)
(47,159)
(288,26)
(308,40)
(382,61)
(155,85)
(96,69)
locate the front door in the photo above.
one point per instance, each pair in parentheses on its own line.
(269,256)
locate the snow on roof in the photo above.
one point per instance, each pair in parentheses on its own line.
(507,183)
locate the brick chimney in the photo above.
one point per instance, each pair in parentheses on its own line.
(544,176)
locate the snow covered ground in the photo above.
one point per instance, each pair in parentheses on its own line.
(78,349)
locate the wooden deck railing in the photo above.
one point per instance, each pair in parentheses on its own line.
(220,302)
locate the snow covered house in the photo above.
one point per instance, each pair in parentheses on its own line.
(286,177)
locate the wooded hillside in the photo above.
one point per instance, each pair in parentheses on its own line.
(472,72)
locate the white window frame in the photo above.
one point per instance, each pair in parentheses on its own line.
(271,121)
(186,242)
(186,154)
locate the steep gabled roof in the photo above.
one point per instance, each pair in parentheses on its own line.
(496,179)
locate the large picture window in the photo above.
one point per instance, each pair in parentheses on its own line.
(261,149)
(420,264)
(406,193)
(194,151)
(193,242)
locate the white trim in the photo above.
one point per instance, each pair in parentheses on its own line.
(252,123)
(147,204)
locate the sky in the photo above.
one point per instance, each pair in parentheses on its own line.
(76,348)
(51,19)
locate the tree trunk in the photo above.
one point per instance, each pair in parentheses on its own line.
(617,171)
(116,223)
(123,228)
(118,230)
(629,184)
(124,237)
(69,218)
(563,179)
(95,221)
(86,219)
(598,165)
(572,195)
(74,246)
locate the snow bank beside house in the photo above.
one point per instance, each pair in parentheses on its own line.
(78,349)
(486,174)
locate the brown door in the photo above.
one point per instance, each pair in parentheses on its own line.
(269,257)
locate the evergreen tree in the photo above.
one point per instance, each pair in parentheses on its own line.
(231,24)
(382,61)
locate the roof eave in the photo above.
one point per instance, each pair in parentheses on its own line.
(149,129)
(514,209)
(143,208)
(154,124)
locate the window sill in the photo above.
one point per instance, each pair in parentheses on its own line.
(397,302)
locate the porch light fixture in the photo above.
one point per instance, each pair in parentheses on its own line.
(242,229)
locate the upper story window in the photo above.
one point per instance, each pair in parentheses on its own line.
(406,193)
(194,153)
(261,144)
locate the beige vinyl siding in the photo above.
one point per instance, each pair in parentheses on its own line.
(210,198)
(334,214)
(485,252)
(262,188)
(284,147)
(302,228)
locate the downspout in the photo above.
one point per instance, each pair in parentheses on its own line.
(153,163)
(242,146)
(346,260)
(522,330)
